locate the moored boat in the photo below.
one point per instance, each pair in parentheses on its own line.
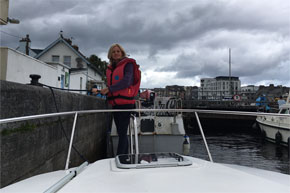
(274,128)
(157,131)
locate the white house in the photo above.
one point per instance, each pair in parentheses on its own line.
(64,55)
(17,67)
(81,71)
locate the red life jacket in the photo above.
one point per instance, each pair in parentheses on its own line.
(125,96)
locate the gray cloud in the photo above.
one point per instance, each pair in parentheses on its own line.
(191,38)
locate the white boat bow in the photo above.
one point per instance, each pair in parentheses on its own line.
(201,176)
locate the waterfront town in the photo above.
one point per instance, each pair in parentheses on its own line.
(62,65)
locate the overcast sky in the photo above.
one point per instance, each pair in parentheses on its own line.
(176,42)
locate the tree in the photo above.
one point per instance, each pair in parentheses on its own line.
(99,64)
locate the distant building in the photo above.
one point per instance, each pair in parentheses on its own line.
(191,93)
(175,91)
(219,88)
(272,93)
(249,92)
(160,92)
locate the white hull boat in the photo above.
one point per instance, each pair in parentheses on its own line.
(276,129)
(154,172)
(200,176)
(157,132)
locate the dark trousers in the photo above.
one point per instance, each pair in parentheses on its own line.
(122,120)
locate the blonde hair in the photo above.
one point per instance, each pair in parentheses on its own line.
(111,50)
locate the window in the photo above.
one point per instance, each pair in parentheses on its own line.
(55,58)
(284,111)
(67,60)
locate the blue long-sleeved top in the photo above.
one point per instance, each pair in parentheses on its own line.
(126,81)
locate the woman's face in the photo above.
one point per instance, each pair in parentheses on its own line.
(116,53)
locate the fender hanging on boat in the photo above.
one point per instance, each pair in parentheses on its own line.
(278,137)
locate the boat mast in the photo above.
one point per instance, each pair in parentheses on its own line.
(230,74)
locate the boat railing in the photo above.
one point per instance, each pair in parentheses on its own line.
(203,137)
(77,113)
(133,128)
(134,144)
(243,113)
(58,185)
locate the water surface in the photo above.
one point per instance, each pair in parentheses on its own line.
(242,148)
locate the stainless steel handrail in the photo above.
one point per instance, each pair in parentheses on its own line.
(24,118)
(203,137)
(68,177)
(135,130)
(131,138)
(59,184)
(136,135)
(7,120)
(135,122)
(71,141)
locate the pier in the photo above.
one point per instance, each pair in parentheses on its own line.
(214,122)
(38,146)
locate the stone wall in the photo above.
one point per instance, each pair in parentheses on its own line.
(37,146)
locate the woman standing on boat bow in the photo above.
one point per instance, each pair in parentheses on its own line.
(120,91)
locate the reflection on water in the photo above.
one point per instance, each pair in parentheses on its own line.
(246,149)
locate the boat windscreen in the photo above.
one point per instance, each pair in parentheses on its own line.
(151,160)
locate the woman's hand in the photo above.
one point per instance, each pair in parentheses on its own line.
(95,90)
(105,91)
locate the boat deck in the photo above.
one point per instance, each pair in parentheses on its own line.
(201,176)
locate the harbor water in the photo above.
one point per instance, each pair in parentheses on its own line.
(244,147)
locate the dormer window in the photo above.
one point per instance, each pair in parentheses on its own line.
(55,58)
(67,60)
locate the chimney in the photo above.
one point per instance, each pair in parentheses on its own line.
(68,40)
(75,47)
(60,33)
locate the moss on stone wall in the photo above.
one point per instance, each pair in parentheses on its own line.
(27,127)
